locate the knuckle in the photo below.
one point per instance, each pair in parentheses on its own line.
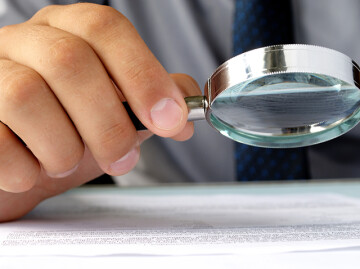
(21,88)
(141,72)
(6,30)
(43,11)
(109,138)
(66,57)
(99,17)
(65,160)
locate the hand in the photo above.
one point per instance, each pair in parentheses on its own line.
(60,75)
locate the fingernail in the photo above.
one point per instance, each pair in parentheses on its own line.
(65,174)
(125,164)
(166,114)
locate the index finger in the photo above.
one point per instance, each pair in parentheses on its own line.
(148,88)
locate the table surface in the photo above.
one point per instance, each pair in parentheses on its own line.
(333,258)
(347,187)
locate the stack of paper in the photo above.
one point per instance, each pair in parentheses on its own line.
(93,228)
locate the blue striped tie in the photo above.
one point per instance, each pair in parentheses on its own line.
(259,23)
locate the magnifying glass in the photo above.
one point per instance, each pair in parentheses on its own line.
(281,96)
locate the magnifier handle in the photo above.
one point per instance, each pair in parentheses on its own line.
(196,105)
(137,123)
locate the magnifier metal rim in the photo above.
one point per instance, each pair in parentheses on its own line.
(271,60)
(278,59)
(293,58)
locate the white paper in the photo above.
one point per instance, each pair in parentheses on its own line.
(114,225)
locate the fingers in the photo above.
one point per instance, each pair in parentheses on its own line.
(152,95)
(81,84)
(188,87)
(30,109)
(61,82)
(19,168)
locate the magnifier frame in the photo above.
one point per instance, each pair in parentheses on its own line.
(293,58)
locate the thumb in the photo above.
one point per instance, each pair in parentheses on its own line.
(189,87)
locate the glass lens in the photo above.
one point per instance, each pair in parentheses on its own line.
(286,110)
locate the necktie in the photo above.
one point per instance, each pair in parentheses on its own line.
(259,23)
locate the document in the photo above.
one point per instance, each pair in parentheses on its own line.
(83,224)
